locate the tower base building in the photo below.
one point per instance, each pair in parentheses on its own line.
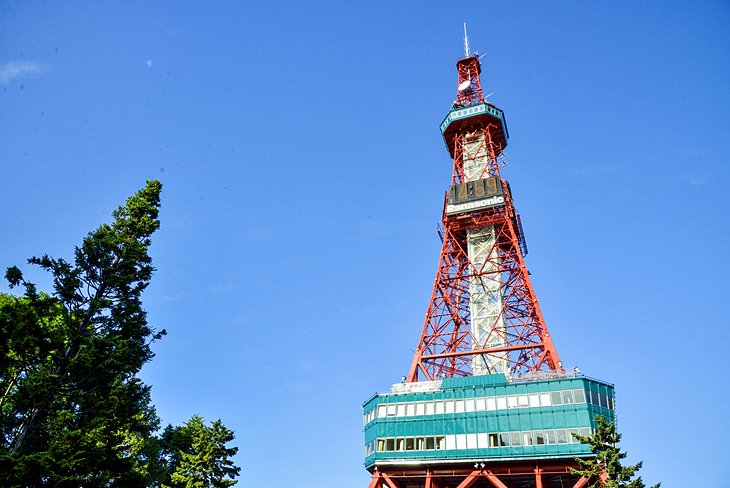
(482,430)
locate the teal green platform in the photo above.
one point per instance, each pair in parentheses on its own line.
(483,417)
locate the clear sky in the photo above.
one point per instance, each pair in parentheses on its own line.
(304,174)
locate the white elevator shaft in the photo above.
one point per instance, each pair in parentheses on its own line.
(485,286)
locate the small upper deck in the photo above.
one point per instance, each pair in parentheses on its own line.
(480,114)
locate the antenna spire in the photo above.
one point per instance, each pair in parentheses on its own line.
(466,43)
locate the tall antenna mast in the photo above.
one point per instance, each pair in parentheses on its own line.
(466,43)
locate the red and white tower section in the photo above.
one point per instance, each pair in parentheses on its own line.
(486,401)
(483,316)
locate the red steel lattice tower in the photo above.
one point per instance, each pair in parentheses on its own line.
(486,402)
(483,316)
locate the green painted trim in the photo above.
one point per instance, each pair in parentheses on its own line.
(473,111)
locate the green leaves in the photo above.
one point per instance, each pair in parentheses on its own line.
(605,469)
(202,459)
(72,410)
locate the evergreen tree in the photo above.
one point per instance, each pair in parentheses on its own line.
(204,460)
(72,410)
(605,469)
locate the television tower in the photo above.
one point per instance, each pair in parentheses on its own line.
(486,402)
(483,316)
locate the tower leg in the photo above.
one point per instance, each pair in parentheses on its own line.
(389,481)
(538,477)
(495,481)
(581,483)
(375,481)
(469,480)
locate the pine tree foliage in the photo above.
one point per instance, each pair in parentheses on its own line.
(206,462)
(605,469)
(72,410)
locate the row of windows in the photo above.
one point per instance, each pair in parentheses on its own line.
(489,440)
(502,402)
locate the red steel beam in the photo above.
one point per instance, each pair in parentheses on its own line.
(581,483)
(470,480)
(495,481)
(390,482)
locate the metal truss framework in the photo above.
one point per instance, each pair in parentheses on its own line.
(515,340)
(528,474)
(469,69)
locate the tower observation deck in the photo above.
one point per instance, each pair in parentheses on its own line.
(486,402)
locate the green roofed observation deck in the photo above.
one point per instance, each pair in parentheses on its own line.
(485,417)
(478,115)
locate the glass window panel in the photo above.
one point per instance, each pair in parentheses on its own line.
(501,403)
(594,397)
(545,399)
(491,404)
(480,404)
(420,408)
(410,443)
(512,401)
(400,444)
(572,439)
(580,396)
(522,401)
(584,431)
(568,397)
(430,443)
(534,400)
(515,439)
(539,437)
(471,441)
(459,406)
(610,402)
(604,400)
(381,445)
(420,443)
(410,409)
(401,410)
(439,407)
(556,398)
(440,442)
(429,408)
(381,410)
(482,442)
(449,406)
(469,405)
(450,442)
(527,438)
(562,436)
(461,441)
(503,439)
(550,437)
(493,440)
(390,444)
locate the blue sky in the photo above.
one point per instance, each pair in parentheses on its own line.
(303,168)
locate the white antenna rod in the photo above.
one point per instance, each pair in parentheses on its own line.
(466,42)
